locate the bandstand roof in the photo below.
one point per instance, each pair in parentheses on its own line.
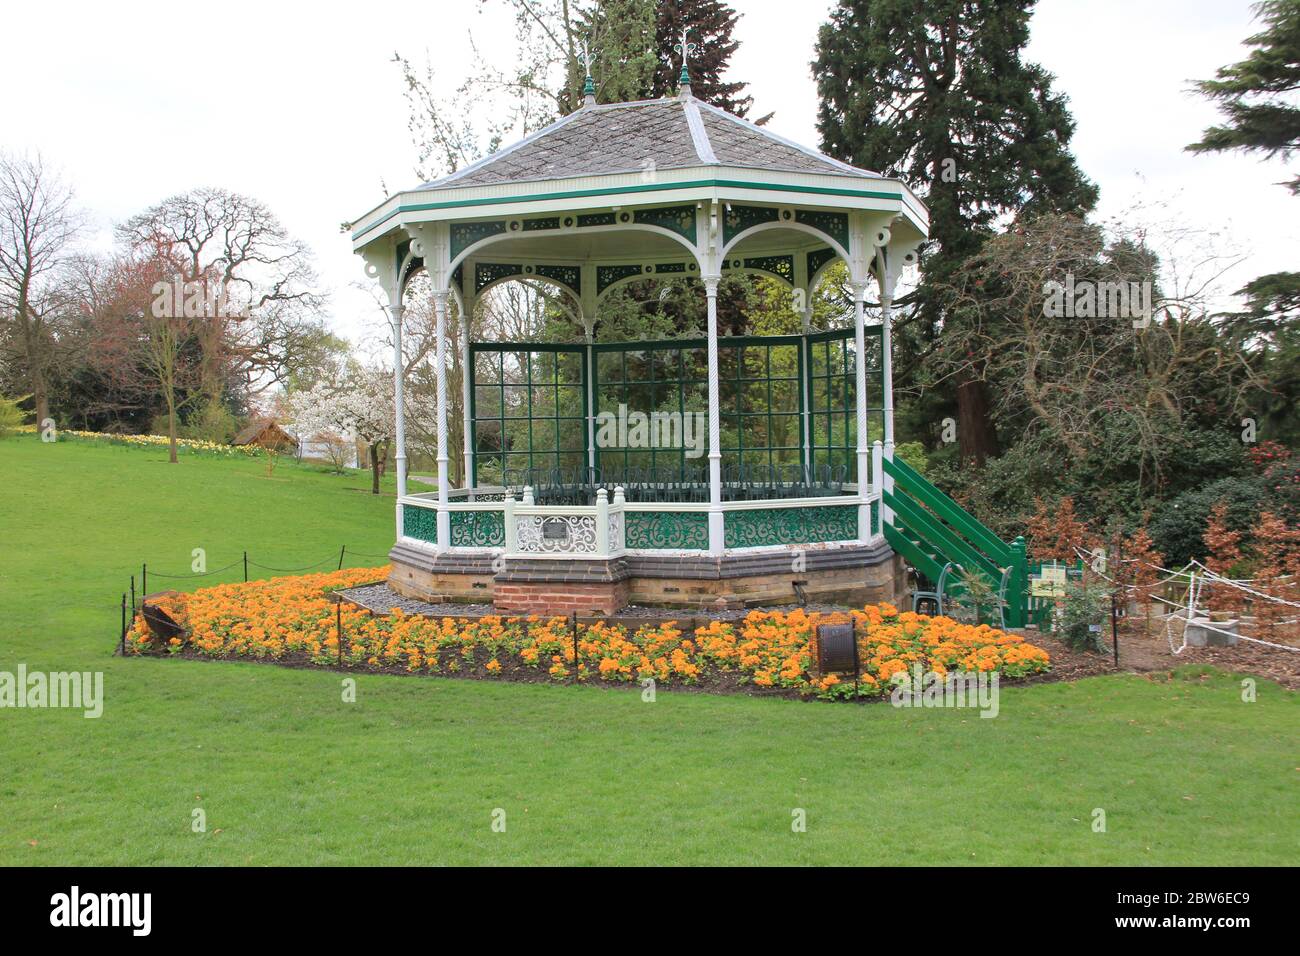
(669,133)
(616,191)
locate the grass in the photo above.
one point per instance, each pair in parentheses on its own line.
(412,772)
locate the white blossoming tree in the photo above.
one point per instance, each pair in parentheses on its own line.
(361,405)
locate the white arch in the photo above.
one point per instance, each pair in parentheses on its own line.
(474,248)
(785,224)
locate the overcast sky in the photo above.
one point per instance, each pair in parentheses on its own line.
(301,106)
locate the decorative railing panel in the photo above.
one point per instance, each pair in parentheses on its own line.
(477,529)
(420,523)
(764,527)
(667,530)
(573,534)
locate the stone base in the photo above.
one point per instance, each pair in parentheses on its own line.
(442,578)
(853,574)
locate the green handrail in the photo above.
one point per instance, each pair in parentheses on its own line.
(947,509)
(953,547)
(917,558)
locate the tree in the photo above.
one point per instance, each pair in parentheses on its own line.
(1256,94)
(361,405)
(938,95)
(709,24)
(1120,371)
(631,43)
(38,224)
(234,246)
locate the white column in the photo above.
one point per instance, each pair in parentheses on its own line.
(806,385)
(602,522)
(877,484)
(590,375)
(860,381)
(440,332)
(466,402)
(399,400)
(717,537)
(887,372)
(860,388)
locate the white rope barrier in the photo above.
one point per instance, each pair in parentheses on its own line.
(1195,586)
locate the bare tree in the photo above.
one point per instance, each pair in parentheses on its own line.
(214,236)
(1072,375)
(38,225)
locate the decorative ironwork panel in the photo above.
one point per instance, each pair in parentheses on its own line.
(477,529)
(596,219)
(465,234)
(740,218)
(875,517)
(782,266)
(818,258)
(485,273)
(606,276)
(420,523)
(834,224)
(678,219)
(568,276)
(676,530)
(615,531)
(773,526)
(556,534)
(533,225)
(666,267)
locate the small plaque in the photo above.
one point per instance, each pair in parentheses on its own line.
(836,648)
(554,529)
(1049,582)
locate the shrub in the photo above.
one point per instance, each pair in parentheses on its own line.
(1081,616)
(1178,527)
(11,416)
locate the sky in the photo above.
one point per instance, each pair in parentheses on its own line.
(301,106)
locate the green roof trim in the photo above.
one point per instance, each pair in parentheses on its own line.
(637,188)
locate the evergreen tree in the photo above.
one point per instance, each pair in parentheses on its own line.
(634,42)
(709,25)
(939,96)
(1255,94)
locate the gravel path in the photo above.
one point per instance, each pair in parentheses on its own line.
(383,600)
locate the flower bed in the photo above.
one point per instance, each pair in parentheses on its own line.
(293,619)
(152,441)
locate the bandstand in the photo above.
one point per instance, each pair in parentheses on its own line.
(689,472)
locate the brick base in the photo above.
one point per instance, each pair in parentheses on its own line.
(595,599)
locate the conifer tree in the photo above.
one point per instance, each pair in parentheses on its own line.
(938,95)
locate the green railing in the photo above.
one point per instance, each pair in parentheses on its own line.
(930,530)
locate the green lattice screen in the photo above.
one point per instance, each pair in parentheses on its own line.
(832,397)
(528,409)
(760,403)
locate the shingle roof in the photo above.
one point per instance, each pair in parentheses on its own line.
(628,137)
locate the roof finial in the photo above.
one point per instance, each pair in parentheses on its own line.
(589,85)
(687,50)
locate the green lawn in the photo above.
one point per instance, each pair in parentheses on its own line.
(412,772)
